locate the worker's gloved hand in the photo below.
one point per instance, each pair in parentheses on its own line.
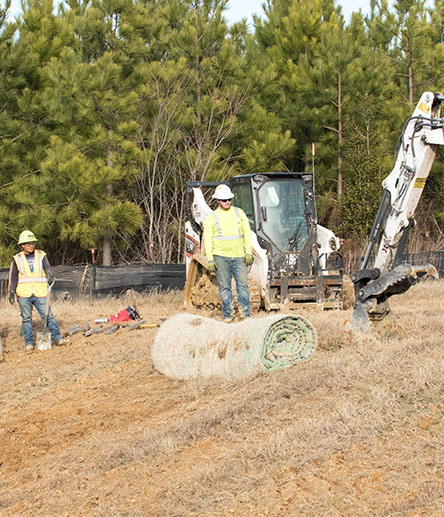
(211,266)
(50,278)
(11,297)
(248,259)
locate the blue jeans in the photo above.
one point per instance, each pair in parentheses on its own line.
(26,305)
(228,267)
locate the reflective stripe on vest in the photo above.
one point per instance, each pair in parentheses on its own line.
(31,282)
(219,235)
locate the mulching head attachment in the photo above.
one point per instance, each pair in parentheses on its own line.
(371,305)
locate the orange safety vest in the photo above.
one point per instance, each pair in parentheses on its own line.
(31,282)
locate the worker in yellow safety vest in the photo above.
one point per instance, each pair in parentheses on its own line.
(228,248)
(29,275)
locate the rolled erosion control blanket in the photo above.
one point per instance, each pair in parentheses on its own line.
(189,347)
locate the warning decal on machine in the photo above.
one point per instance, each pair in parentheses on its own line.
(423,107)
(420,183)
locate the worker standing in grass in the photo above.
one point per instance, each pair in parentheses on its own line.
(29,275)
(228,248)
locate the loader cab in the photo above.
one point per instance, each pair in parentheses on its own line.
(280,208)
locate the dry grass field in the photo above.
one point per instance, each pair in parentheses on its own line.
(92,429)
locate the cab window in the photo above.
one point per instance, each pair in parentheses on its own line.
(243,198)
(283,214)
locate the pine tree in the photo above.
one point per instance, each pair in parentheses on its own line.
(25,121)
(9,132)
(90,95)
(412,48)
(287,40)
(200,120)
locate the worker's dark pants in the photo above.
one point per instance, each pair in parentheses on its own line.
(26,305)
(228,268)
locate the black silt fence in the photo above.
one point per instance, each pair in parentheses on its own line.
(143,278)
(97,281)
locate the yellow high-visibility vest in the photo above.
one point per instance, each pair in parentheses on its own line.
(31,282)
(227,233)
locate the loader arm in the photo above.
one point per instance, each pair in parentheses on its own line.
(421,135)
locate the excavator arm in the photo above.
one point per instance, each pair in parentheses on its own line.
(421,135)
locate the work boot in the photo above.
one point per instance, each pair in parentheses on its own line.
(29,349)
(228,320)
(62,342)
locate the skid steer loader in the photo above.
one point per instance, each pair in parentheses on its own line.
(295,259)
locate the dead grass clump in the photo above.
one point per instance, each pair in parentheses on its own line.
(357,429)
(330,328)
(371,390)
(154,307)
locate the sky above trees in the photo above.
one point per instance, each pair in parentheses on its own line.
(246,8)
(238,9)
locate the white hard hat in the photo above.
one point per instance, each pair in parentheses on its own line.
(223,192)
(26,236)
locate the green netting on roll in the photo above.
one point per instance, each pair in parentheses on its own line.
(286,341)
(187,346)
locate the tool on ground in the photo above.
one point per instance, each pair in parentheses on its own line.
(44,337)
(97,330)
(136,325)
(142,324)
(119,319)
(73,330)
(129,313)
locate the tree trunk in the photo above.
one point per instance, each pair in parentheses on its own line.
(410,72)
(107,256)
(339,136)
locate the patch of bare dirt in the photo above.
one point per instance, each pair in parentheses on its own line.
(92,429)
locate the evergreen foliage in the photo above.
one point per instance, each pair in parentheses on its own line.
(108,107)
